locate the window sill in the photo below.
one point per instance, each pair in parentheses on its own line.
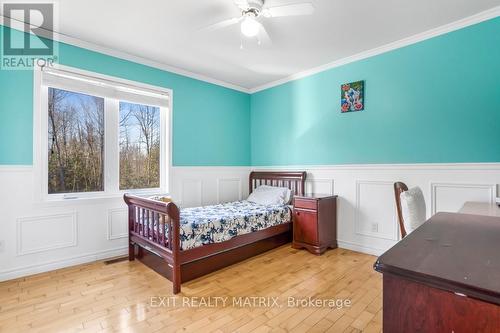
(83,199)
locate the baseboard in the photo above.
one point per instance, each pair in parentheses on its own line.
(64,263)
(359,248)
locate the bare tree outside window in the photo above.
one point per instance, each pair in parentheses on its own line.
(75,142)
(139,146)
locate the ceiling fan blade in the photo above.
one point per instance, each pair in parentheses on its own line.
(222,24)
(263,36)
(242,4)
(305,8)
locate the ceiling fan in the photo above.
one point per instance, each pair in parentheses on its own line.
(253,10)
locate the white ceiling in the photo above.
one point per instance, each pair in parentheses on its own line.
(167,32)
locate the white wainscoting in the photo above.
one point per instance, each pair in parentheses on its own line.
(94,229)
(199,186)
(228,189)
(371,216)
(326,186)
(41,236)
(366,214)
(59,230)
(117,223)
(449,197)
(191,193)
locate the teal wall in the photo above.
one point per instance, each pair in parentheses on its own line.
(434,101)
(211,124)
(431,102)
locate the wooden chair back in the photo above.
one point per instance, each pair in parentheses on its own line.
(400,187)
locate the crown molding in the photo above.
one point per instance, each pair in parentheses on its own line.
(462,23)
(59,37)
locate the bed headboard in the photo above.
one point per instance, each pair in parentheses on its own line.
(294,180)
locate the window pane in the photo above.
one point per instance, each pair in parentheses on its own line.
(76,142)
(139,146)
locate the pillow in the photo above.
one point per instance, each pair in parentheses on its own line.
(288,193)
(413,208)
(161,198)
(288,197)
(270,195)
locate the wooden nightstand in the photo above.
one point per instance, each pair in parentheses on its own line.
(315,222)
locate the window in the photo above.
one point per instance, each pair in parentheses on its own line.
(99,136)
(139,146)
(75,142)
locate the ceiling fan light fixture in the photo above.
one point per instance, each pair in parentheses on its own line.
(250,26)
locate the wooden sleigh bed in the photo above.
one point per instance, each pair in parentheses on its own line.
(154,235)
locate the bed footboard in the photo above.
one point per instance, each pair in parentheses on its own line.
(155,225)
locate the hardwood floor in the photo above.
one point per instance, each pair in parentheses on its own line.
(128,296)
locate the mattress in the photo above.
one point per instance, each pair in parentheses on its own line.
(218,223)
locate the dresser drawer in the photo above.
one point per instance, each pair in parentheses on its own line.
(306,204)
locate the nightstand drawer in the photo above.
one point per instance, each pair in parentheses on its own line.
(306,204)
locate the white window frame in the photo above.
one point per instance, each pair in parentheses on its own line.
(111,168)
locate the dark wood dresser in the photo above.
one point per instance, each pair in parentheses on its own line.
(444,277)
(315,222)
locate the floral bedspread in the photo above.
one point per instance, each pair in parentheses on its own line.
(219,223)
